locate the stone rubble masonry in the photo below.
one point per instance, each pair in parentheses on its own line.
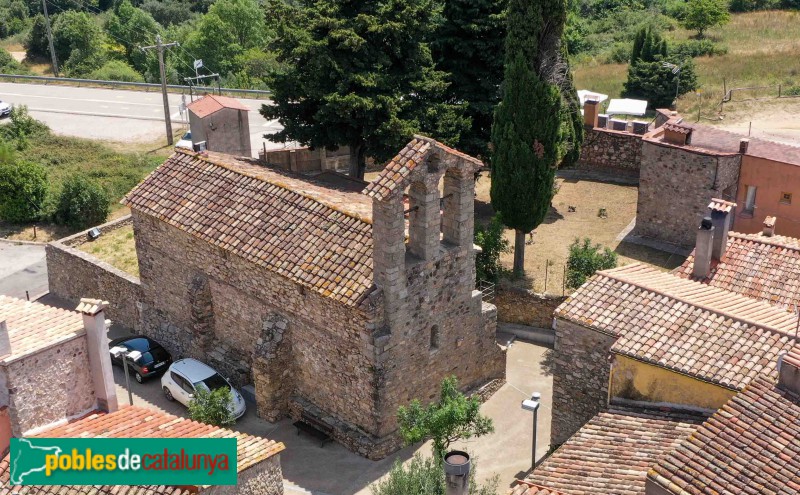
(580,377)
(73,274)
(264,478)
(525,307)
(675,188)
(605,150)
(48,386)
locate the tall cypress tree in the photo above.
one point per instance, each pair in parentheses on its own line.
(469,47)
(527,128)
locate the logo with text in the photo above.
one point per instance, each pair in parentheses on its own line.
(123,461)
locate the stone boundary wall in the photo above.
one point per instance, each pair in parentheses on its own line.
(611,151)
(525,307)
(73,274)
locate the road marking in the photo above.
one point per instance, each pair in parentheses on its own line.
(80,99)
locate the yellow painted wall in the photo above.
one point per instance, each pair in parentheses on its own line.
(635,380)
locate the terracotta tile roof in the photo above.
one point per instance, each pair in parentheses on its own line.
(315,235)
(720,205)
(681,129)
(750,446)
(526,488)
(712,138)
(209,104)
(793,356)
(139,422)
(613,451)
(688,327)
(396,172)
(33,326)
(760,267)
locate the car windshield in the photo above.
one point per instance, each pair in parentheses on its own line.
(187,136)
(212,383)
(155,355)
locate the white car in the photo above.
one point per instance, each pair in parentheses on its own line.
(185,142)
(5,109)
(185,376)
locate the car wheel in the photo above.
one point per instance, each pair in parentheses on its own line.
(168,394)
(138,377)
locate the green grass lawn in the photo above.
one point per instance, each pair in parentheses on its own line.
(763,49)
(116,248)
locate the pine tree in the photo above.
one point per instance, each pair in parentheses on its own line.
(469,47)
(526,131)
(359,74)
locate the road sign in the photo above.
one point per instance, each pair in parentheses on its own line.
(198,63)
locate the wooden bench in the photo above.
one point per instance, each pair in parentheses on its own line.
(314,427)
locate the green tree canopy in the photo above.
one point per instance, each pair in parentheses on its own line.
(527,125)
(585,259)
(359,74)
(453,417)
(657,83)
(78,42)
(703,14)
(212,408)
(36,41)
(23,187)
(132,28)
(82,203)
(469,47)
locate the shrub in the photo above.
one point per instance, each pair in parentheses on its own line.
(23,188)
(212,408)
(696,48)
(493,244)
(454,417)
(792,91)
(22,127)
(424,476)
(36,42)
(82,203)
(117,70)
(10,66)
(585,259)
(749,5)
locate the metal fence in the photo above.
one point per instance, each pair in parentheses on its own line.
(759,93)
(487,290)
(14,78)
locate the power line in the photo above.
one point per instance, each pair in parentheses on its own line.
(161,47)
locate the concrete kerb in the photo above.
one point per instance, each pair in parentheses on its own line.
(21,243)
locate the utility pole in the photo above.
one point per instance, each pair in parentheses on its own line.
(161,47)
(50,38)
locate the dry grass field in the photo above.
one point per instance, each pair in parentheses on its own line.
(116,248)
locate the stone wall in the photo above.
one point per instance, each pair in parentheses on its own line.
(610,151)
(229,320)
(265,478)
(49,386)
(580,377)
(525,307)
(675,186)
(73,274)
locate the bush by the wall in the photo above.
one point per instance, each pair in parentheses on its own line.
(585,259)
(424,476)
(212,408)
(23,188)
(493,244)
(697,48)
(82,203)
(116,70)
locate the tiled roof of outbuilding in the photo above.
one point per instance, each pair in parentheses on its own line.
(33,326)
(526,488)
(139,422)
(398,169)
(613,451)
(750,446)
(212,103)
(760,267)
(312,234)
(702,331)
(721,205)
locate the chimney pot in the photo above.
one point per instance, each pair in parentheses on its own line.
(591,109)
(721,211)
(789,371)
(769,226)
(743,145)
(703,248)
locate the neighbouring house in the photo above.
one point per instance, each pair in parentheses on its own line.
(304,160)
(612,453)
(751,445)
(333,305)
(642,335)
(222,123)
(56,381)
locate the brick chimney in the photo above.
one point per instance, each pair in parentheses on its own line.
(94,322)
(789,371)
(743,145)
(702,250)
(769,227)
(676,133)
(720,217)
(591,109)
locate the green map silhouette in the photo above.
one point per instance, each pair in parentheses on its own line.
(27,458)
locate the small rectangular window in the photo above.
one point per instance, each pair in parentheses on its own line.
(786,198)
(750,199)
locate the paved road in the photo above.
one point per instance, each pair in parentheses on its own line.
(22,268)
(117,115)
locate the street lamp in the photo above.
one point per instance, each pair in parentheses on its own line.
(676,69)
(532,404)
(118,351)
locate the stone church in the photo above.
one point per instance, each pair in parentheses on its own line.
(338,302)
